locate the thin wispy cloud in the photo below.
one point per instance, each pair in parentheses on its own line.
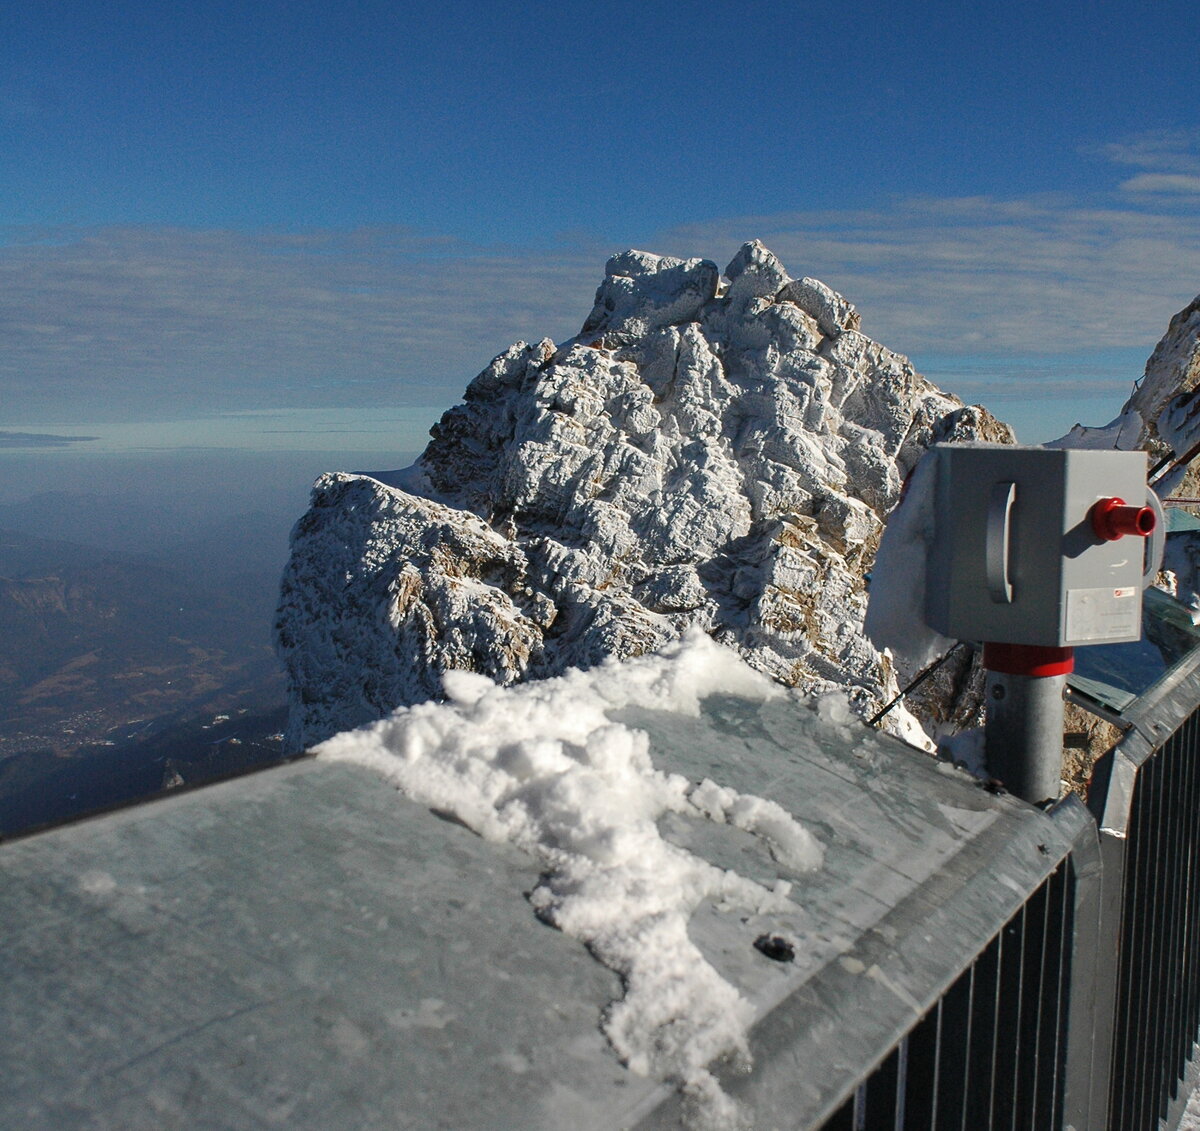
(1038,275)
(1169,160)
(40,440)
(1163,182)
(1175,151)
(168,321)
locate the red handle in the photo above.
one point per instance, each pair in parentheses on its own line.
(1112,519)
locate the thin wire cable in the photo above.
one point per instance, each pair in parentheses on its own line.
(921,677)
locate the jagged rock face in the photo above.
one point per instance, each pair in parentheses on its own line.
(1172,372)
(1168,398)
(1162,415)
(707,451)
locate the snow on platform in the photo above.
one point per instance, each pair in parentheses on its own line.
(308,948)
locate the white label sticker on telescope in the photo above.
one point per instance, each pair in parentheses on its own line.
(1102,614)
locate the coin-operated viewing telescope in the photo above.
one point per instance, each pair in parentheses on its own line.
(1036,551)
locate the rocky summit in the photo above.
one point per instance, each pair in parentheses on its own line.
(711,449)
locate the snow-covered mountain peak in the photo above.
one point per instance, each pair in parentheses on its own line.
(710,450)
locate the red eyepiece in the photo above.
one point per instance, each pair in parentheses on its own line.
(1112,519)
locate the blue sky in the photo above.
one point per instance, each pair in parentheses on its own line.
(228,208)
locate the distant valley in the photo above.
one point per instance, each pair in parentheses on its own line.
(122,674)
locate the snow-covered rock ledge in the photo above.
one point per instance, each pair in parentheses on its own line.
(717,451)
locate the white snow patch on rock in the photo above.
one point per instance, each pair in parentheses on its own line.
(896,615)
(1122,433)
(544,767)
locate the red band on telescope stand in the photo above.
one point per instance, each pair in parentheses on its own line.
(1028,659)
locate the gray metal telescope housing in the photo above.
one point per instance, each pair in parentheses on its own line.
(1035,551)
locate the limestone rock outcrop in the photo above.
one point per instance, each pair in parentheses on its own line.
(1171,378)
(1162,414)
(712,449)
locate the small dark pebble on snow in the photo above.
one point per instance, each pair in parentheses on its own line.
(775,948)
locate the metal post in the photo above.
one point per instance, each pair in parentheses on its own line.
(1024,735)
(1024,730)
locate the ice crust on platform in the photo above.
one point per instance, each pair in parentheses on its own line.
(711,450)
(544,767)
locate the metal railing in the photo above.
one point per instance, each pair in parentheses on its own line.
(993,1051)
(1082,1013)
(1146,798)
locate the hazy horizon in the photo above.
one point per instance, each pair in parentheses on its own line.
(152,480)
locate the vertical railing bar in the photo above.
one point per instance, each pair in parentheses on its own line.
(970,1043)
(1152,1022)
(1018,1028)
(1190,879)
(980,1099)
(1192,942)
(1176,771)
(995,1009)
(1049,1000)
(1170,1062)
(970,1046)
(937,1065)
(1168,1059)
(1164,1057)
(954,1060)
(1186,1023)
(1159,1018)
(1135,910)
(1161,921)
(1042,1002)
(883,1090)
(1168,1053)
(921,1070)
(1144,954)
(1147,781)
(1050,1006)
(1126,986)
(1184,738)
(1011,996)
(1130,939)
(1006,1090)
(1066,950)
